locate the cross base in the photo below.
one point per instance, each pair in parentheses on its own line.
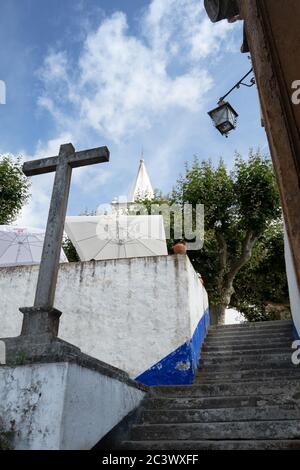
(39,348)
(40,321)
(38,341)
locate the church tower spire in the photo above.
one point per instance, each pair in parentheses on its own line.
(142,187)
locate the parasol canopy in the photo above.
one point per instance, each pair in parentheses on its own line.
(22,245)
(114,236)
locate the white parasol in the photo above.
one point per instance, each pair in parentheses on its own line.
(115,236)
(22,245)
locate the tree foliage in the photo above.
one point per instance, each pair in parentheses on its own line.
(242,259)
(158,204)
(70,250)
(261,290)
(68,247)
(14,189)
(239,205)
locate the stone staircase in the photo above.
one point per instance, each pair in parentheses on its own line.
(246,396)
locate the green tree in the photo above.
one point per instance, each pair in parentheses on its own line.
(261,290)
(14,189)
(239,205)
(68,247)
(70,250)
(157,205)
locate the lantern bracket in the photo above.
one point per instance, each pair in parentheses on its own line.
(238,84)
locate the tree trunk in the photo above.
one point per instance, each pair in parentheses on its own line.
(225,279)
(217,314)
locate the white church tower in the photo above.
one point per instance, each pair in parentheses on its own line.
(142,187)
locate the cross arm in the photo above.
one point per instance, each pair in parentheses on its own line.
(38,167)
(75,160)
(89,157)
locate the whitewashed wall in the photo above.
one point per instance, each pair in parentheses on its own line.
(62,406)
(292,283)
(130,313)
(198,298)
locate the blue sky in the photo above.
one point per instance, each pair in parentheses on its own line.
(126,74)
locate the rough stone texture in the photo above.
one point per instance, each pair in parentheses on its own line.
(33,348)
(220,414)
(48,271)
(42,318)
(274,41)
(64,405)
(129,312)
(5,437)
(285,429)
(215,445)
(238,401)
(38,321)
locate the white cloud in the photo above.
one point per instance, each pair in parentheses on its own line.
(122,83)
(55,67)
(183,29)
(122,86)
(35,212)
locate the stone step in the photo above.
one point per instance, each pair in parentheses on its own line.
(263,444)
(246,396)
(256,326)
(252,325)
(244,352)
(250,341)
(280,387)
(241,359)
(237,401)
(252,367)
(165,416)
(250,335)
(246,375)
(284,429)
(241,346)
(255,366)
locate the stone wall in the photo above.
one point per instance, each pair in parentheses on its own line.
(146,316)
(62,406)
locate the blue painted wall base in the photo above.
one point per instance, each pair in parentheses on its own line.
(180,366)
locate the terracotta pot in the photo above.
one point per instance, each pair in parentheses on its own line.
(179,248)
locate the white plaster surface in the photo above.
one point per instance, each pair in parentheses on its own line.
(292,283)
(129,313)
(62,406)
(198,299)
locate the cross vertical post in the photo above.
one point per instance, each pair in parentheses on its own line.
(48,272)
(42,320)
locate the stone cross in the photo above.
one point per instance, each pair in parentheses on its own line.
(42,319)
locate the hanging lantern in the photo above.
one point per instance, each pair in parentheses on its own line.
(224,117)
(218,10)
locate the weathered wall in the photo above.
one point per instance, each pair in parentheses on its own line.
(272,28)
(130,313)
(62,406)
(294,292)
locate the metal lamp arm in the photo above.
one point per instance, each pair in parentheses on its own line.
(237,85)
